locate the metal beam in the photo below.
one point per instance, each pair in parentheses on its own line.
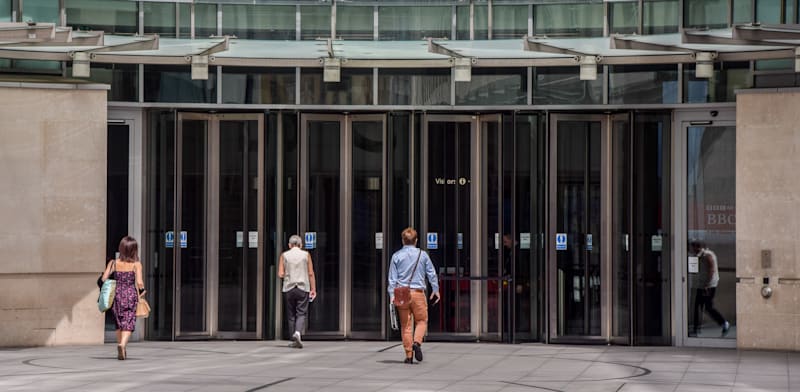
(756,32)
(435,47)
(532,44)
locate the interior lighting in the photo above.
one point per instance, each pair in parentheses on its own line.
(81,66)
(462,69)
(332,69)
(200,67)
(705,65)
(588,67)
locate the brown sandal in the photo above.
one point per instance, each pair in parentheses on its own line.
(120,352)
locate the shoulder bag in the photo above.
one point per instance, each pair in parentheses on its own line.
(107,291)
(402,294)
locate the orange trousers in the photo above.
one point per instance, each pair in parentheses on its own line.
(413,331)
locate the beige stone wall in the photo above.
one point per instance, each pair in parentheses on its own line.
(768,217)
(52,213)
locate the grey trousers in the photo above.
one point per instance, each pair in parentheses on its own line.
(296,309)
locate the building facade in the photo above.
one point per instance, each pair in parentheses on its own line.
(556,157)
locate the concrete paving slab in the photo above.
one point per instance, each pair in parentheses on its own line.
(377,366)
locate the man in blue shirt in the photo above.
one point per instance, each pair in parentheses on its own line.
(406,262)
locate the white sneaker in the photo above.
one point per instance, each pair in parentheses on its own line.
(298,342)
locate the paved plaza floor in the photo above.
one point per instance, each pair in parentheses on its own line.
(377,366)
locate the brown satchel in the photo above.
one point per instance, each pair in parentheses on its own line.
(143,307)
(402,294)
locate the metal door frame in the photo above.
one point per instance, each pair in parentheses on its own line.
(605,227)
(386,254)
(682,120)
(478,200)
(211,285)
(346,207)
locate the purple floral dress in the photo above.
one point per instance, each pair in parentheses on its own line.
(125,300)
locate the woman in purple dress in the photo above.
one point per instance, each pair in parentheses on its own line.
(128,272)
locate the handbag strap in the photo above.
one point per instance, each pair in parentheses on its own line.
(410,278)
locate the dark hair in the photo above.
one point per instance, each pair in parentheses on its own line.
(409,236)
(697,244)
(128,249)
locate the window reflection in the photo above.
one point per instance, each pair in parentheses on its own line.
(111,16)
(660,16)
(569,20)
(711,236)
(258,85)
(728,77)
(355,23)
(163,83)
(643,84)
(712,14)
(412,87)
(497,86)
(562,86)
(355,88)
(414,23)
(259,22)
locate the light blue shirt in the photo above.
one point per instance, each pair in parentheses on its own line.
(403,263)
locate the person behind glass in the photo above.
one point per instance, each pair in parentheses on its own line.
(706,286)
(299,286)
(128,274)
(400,274)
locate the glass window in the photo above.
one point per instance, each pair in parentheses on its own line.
(562,86)
(712,14)
(5,10)
(771,65)
(494,86)
(123,79)
(742,11)
(509,21)
(769,12)
(355,88)
(315,21)
(413,87)
(480,18)
(711,236)
(413,23)
(661,16)
(205,20)
(111,16)
(624,18)
(259,21)
(43,11)
(571,20)
(788,79)
(354,23)
(643,84)
(159,18)
(172,83)
(258,85)
(728,77)
(37,66)
(184,20)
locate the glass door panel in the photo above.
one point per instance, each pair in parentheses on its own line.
(576,228)
(238,236)
(651,210)
(190,238)
(321,213)
(530,194)
(367,266)
(494,265)
(711,231)
(621,230)
(447,163)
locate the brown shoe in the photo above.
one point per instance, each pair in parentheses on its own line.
(120,352)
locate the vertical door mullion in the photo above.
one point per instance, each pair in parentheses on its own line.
(245,223)
(345,224)
(212,223)
(587,170)
(176,254)
(260,252)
